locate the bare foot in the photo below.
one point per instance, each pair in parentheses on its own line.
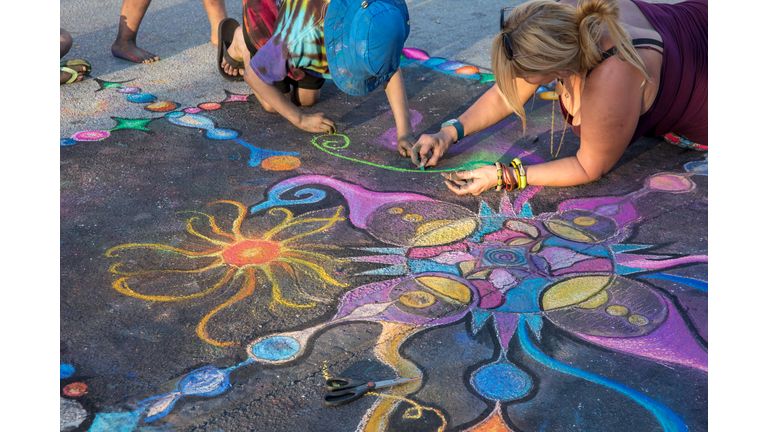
(236,50)
(128,50)
(66,76)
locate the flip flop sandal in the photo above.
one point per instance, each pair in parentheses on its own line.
(71,72)
(226,34)
(77,62)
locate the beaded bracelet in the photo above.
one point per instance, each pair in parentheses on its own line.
(522,182)
(499,176)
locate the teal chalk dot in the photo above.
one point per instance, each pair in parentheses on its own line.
(140,97)
(174,114)
(66,370)
(502,381)
(276,348)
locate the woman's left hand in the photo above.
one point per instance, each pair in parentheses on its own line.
(474,181)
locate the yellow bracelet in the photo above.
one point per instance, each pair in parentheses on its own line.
(517,171)
(522,182)
(499,176)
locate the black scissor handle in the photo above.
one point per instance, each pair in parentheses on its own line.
(335,384)
(338,396)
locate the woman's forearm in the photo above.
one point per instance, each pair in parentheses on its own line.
(488,110)
(562,172)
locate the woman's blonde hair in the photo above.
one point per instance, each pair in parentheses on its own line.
(563,38)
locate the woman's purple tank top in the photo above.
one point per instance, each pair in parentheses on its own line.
(681,102)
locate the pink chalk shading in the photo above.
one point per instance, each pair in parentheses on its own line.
(671,342)
(620,209)
(237,98)
(490,297)
(453,257)
(429,252)
(669,183)
(389,138)
(362,202)
(595,265)
(524,196)
(192,110)
(415,54)
(632,261)
(90,135)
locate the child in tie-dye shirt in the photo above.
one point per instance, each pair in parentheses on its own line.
(283,50)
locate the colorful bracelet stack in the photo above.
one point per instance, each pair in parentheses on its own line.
(504,178)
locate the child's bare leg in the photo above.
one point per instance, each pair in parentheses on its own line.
(124,46)
(267,106)
(238,51)
(305,97)
(217,12)
(65,41)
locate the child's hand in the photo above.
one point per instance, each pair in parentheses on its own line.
(316,122)
(404,144)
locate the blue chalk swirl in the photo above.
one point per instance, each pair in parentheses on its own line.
(669,421)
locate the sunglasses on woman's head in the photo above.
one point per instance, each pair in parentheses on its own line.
(507,41)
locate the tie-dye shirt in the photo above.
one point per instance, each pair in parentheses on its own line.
(297,44)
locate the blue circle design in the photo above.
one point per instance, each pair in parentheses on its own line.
(276,348)
(175,114)
(67,142)
(451,65)
(66,370)
(140,97)
(221,134)
(504,256)
(502,381)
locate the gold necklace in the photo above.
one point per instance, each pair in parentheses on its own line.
(552,127)
(552,135)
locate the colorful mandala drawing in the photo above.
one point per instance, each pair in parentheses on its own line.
(508,269)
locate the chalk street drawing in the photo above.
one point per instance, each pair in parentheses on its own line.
(507,269)
(231,257)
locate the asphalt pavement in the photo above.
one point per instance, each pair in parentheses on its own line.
(158,160)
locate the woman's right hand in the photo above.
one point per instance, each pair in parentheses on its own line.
(474,181)
(436,144)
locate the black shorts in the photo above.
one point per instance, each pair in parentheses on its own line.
(309,82)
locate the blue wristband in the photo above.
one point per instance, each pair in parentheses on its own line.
(459,128)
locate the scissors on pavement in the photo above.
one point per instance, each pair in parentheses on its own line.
(341,391)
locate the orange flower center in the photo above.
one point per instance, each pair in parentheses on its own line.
(250,252)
